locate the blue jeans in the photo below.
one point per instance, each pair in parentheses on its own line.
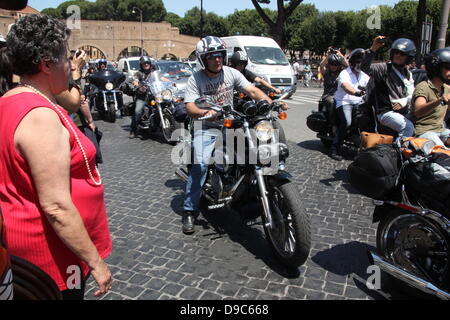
(345,121)
(138,111)
(202,149)
(397,122)
(439,138)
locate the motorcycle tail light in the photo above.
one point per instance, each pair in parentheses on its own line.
(228,123)
(153,103)
(241,95)
(282,116)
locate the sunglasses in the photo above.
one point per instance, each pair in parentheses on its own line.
(400,53)
(214,55)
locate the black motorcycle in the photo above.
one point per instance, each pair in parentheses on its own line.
(412,208)
(161,98)
(105,95)
(255,183)
(326,123)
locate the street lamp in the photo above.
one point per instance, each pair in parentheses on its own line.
(142,39)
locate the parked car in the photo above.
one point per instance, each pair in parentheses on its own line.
(129,66)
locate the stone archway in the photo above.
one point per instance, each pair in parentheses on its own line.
(132,51)
(169,56)
(93,52)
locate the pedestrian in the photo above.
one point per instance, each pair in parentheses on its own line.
(51,193)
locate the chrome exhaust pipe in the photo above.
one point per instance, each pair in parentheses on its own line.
(182,174)
(407,277)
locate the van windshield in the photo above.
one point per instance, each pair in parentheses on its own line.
(266,55)
(134,64)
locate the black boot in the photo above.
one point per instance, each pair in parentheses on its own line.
(188,222)
(335,155)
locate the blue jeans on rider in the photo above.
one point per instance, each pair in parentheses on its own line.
(345,121)
(138,111)
(439,138)
(397,122)
(202,149)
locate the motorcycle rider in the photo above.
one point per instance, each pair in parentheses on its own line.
(330,67)
(348,96)
(239,61)
(217,81)
(101,64)
(393,84)
(431,99)
(145,69)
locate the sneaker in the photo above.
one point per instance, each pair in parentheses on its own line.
(188,222)
(132,135)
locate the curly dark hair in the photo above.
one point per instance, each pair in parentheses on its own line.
(33,38)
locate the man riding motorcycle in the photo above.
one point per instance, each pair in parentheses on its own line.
(101,64)
(393,84)
(145,69)
(218,82)
(431,99)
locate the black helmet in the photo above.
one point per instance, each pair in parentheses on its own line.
(356,56)
(143,60)
(435,60)
(334,59)
(239,57)
(406,46)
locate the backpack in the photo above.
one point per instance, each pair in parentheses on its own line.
(374,171)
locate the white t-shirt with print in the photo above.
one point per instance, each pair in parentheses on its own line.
(347,76)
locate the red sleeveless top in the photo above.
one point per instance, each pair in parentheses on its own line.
(29,234)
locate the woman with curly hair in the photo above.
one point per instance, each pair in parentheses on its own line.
(51,193)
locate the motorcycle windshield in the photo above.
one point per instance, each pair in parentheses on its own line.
(161,88)
(101,78)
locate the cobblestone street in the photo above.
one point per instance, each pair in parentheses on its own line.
(224,259)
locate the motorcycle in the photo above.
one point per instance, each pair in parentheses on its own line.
(325,122)
(413,233)
(255,183)
(105,95)
(161,98)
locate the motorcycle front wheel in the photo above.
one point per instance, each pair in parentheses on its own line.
(290,237)
(111,113)
(171,126)
(417,245)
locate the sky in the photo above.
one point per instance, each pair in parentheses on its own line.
(224,8)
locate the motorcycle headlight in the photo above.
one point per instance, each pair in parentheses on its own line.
(264,131)
(109,86)
(167,95)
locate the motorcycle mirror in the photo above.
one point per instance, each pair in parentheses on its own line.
(204,102)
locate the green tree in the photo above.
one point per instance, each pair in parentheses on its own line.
(173,19)
(213,24)
(248,22)
(277,25)
(295,33)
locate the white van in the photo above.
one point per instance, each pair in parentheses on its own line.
(266,59)
(129,66)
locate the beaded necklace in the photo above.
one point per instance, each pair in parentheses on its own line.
(77,139)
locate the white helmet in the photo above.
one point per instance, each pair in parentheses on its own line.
(210,44)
